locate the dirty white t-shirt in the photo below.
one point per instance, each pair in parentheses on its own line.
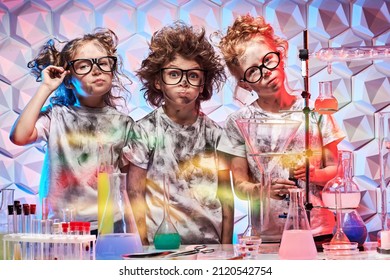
(186,156)
(72,160)
(323,130)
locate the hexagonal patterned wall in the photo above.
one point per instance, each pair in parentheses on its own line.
(361,87)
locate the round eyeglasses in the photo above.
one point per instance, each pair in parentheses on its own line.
(84,65)
(254,73)
(173,76)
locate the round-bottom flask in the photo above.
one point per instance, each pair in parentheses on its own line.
(166,236)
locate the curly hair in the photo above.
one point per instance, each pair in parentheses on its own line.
(50,55)
(188,42)
(244,29)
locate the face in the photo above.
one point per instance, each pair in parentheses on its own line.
(185,92)
(272,81)
(91,88)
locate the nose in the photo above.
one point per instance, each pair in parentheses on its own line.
(95,68)
(184,81)
(266,72)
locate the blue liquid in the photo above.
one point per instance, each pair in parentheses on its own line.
(356,233)
(113,246)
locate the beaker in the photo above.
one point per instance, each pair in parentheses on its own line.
(166,236)
(297,240)
(326,103)
(349,199)
(117,231)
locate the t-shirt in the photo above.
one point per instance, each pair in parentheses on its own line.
(186,156)
(80,141)
(323,130)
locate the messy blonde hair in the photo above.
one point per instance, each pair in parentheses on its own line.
(50,55)
(186,41)
(244,29)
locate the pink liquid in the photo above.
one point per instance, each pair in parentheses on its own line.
(297,245)
(348,200)
(326,105)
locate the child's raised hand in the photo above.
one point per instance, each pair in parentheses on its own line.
(53,76)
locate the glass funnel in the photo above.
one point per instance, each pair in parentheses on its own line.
(166,236)
(266,140)
(342,195)
(297,240)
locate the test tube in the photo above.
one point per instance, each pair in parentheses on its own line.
(10,219)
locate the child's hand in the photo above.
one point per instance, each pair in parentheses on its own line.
(280,187)
(300,172)
(53,76)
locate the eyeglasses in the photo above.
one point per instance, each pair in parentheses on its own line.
(254,73)
(173,76)
(84,66)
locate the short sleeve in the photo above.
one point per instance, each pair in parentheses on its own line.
(231,141)
(43,124)
(137,151)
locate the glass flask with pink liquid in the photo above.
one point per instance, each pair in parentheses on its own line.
(297,239)
(326,103)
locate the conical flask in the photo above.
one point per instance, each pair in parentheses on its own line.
(297,239)
(117,217)
(166,236)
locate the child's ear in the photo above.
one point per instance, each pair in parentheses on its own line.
(157,84)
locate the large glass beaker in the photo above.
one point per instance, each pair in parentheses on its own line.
(266,140)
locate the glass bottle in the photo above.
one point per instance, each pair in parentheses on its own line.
(351,222)
(297,239)
(325,103)
(166,236)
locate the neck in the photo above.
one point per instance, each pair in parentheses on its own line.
(274,103)
(183,115)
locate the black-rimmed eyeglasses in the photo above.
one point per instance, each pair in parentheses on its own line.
(254,73)
(173,76)
(84,65)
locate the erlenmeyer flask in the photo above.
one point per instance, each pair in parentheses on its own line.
(120,235)
(166,236)
(326,103)
(297,240)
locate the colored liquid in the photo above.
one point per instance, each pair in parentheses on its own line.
(356,233)
(297,245)
(113,246)
(105,207)
(1,246)
(168,241)
(326,105)
(348,200)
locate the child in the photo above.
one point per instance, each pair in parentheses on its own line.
(81,125)
(255,57)
(179,142)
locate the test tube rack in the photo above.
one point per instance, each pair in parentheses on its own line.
(26,246)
